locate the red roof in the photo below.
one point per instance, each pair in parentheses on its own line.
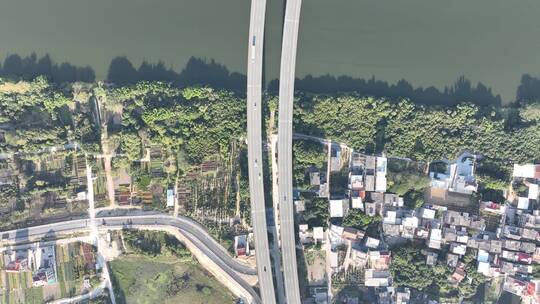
(523,257)
(13,266)
(241,251)
(363,194)
(531,289)
(492,205)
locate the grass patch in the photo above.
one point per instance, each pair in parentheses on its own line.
(33,295)
(61,280)
(163,279)
(24,279)
(311,255)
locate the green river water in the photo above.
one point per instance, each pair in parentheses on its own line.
(426,42)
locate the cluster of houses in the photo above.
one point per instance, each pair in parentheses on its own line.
(508,249)
(503,237)
(367,174)
(520,234)
(367,184)
(349,248)
(39,260)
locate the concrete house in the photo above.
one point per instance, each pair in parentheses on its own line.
(380,174)
(338,207)
(375,278)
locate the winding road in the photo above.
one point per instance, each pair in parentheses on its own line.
(194,231)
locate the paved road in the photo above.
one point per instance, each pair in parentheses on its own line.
(255,163)
(286,96)
(191,229)
(185,224)
(314,138)
(94,293)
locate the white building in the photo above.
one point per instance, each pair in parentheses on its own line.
(170,197)
(241,245)
(334,235)
(459,176)
(410,221)
(356,200)
(334,259)
(374,278)
(337,208)
(380,174)
(43,264)
(493,207)
(428,214)
(459,249)
(356,182)
(318,234)
(372,243)
(305,236)
(533,191)
(526,171)
(523,203)
(435,238)
(484,268)
(463,238)
(391,218)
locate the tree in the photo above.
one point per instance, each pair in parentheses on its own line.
(7,192)
(131,145)
(403,182)
(306,154)
(13,65)
(409,269)
(414,199)
(359,220)
(317,212)
(422,132)
(155,243)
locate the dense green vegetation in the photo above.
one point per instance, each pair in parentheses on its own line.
(317,212)
(154,243)
(162,269)
(413,199)
(35,116)
(407,179)
(409,269)
(156,131)
(359,220)
(403,182)
(192,124)
(141,279)
(404,129)
(202,121)
(199,121)
(307,154)
(338,182)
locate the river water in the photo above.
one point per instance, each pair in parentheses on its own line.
(426,42)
